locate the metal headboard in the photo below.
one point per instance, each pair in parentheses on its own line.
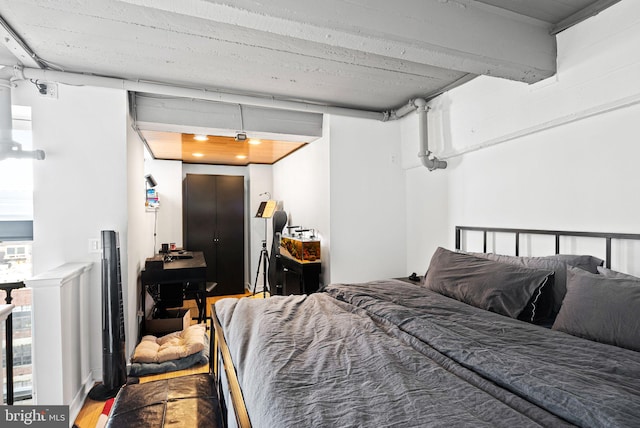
(557,233)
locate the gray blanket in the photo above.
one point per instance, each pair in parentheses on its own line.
(389,353)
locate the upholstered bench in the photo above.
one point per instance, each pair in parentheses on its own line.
(187,401)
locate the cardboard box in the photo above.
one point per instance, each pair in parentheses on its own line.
(179,319)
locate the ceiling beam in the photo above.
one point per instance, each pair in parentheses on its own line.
(460,35)
(592,10)
(185,115)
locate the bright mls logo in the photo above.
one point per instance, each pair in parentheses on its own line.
(34,416)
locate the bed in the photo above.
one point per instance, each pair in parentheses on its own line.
(480,340)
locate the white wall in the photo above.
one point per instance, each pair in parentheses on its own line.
(260,182)
(166,221)
(350,186)
(367,191)
(427,198)
(301,184)
(137,250)
(81,186)
(560,154)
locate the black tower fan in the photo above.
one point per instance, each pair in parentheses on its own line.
(114,366)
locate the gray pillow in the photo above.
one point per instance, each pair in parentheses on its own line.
(558,264)
(601,309)
(497,287)
(608,273)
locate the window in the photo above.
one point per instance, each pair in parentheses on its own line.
(16,234)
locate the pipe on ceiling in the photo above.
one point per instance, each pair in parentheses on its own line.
(419,105)
(8,147)
(79,79)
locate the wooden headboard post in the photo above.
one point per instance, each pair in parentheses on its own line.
(608,237)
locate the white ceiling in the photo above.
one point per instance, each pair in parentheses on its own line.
(362,54)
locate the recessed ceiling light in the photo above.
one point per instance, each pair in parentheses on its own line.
(241,156)
(200,137)
(198,155)
(254,141)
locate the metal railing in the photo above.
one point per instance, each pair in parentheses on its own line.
(8,288)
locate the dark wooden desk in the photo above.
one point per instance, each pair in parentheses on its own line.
(177,270)
(182,271)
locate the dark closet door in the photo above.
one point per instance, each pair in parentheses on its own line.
(199,219)
(230,236)
(213,222)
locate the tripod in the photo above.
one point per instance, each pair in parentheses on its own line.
(263,260)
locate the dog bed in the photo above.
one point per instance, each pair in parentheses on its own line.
(175,345)
(175,351)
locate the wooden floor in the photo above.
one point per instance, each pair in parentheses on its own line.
(91,410)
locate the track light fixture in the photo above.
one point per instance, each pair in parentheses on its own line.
(151,182)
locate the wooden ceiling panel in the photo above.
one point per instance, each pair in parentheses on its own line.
(217,150)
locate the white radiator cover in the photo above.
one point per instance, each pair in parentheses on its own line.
(60,335)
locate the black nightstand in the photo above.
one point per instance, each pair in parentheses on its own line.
(300,277)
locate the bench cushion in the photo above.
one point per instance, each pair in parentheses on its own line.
(187,401)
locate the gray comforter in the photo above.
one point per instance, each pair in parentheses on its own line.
(390,353)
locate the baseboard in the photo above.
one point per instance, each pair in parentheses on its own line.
(78,401)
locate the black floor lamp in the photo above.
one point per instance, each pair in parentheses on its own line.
(265,211)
